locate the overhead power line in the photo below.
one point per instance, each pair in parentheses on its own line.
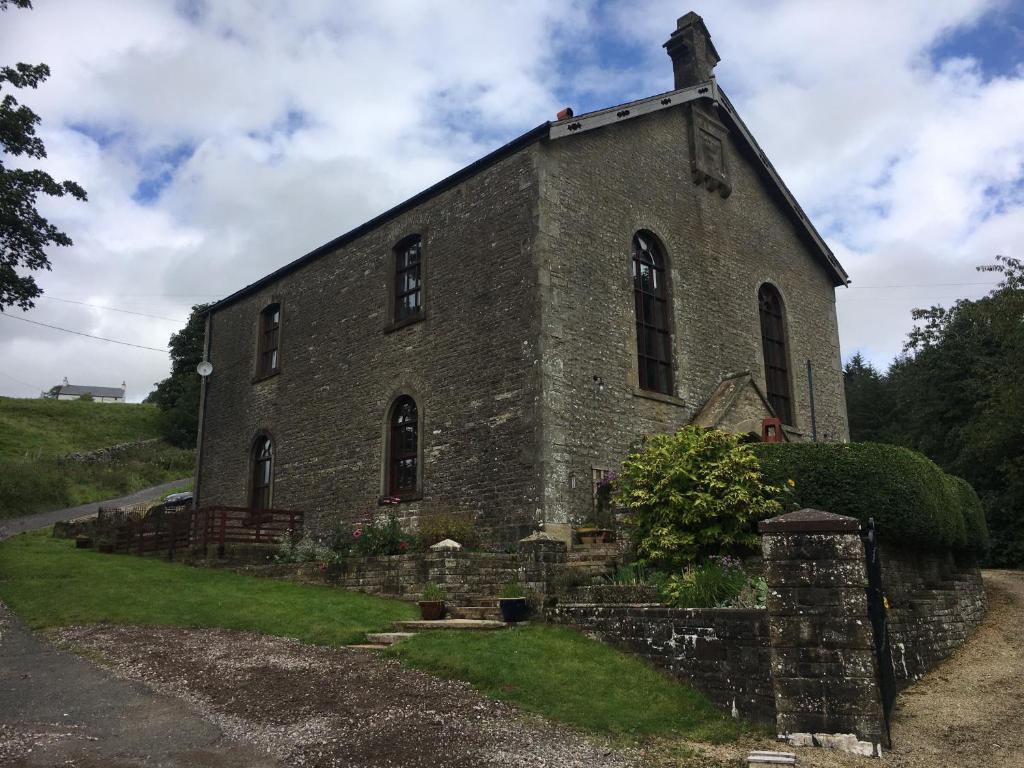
(115,309)
(79,333)
(19,381)
(924,285)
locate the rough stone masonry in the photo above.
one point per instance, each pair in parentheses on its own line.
(523,362)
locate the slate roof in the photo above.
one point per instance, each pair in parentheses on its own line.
(85,389)
(548,131)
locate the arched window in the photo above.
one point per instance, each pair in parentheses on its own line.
(403,449)
(408,280)
(776,356)
(270,331)
(650,297)
(262,473)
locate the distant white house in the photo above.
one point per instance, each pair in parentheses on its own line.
(68,391)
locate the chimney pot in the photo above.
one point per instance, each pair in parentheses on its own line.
(693,54)
(565,114)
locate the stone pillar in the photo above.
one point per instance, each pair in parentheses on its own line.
(541,558)
(824,670)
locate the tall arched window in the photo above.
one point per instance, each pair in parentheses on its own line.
(776,356)
(403,449)
(651,303)
(408,280)
(262,473)
(270,331)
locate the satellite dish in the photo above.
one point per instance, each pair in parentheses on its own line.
(204,369)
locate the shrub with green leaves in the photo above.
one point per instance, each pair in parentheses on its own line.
(912,501)
(716,583)
(693,494)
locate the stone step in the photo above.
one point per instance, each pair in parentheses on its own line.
(387,638)
(367,647)
(460,624)
(474,612)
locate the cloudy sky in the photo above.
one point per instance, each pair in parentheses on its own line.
(220,140)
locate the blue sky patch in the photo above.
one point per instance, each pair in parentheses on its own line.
(159,170)
(996,42)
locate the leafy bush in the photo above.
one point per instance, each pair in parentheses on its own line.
(432,593)
(512,590)
(910,498)
(631,575)
(380,538)
(975,527)
(716,583)
(693,494)
(457,526)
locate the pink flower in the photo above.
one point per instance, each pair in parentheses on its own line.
(403,545)
(356,533)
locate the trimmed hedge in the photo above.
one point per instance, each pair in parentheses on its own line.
(912,501)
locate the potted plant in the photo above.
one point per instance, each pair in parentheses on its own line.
(432,604)
(512,602)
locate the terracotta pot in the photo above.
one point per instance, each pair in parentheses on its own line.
(431,610)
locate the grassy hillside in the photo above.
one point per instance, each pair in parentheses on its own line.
(35,434)
(32,429)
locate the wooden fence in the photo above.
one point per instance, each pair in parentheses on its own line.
(141,530)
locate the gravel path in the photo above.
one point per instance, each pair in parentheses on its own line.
(314,706)
(13,525)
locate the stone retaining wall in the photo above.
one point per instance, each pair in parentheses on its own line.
(723,652)
(935,603)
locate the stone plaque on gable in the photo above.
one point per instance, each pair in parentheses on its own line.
(707,150)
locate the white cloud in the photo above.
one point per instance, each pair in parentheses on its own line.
(267,129)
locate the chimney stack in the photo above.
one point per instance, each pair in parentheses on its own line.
(693,54)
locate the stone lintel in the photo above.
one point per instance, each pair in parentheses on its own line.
(809,521)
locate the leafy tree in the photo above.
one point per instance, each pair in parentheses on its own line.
(24,234)
(868,401)
(177,396)
(693,494)
(956,396)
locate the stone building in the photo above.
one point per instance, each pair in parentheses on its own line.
(497,342)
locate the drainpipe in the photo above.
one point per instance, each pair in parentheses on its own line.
(202,414)
(810,388)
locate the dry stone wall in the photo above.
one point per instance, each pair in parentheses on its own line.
(935,602)
(722,652)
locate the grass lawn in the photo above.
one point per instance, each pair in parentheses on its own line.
(565,676)
(49,583)
(550,671)
(31,429)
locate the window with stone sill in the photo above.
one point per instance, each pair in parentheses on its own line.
(403,449)
(262,473)
(408,280)
(776,354)
(269,341)
(653,315)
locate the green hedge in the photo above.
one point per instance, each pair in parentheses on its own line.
(912,501)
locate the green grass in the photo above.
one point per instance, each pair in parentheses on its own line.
(565,676)
(43,484)
(49,583)
(31,429)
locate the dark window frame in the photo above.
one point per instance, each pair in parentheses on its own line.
(775,349)
(407,285)
(652,310)
(261,473)
(268,348)
(402,478)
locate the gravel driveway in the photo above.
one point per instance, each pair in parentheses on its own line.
(295,704)
(314,706)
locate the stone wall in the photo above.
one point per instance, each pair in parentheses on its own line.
(935,602)
(723,652)
(599,188)
(470,364)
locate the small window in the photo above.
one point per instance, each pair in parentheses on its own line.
(650,297)
(776,356)
(408,280)
(262,473)
(270,334)
(404,448)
